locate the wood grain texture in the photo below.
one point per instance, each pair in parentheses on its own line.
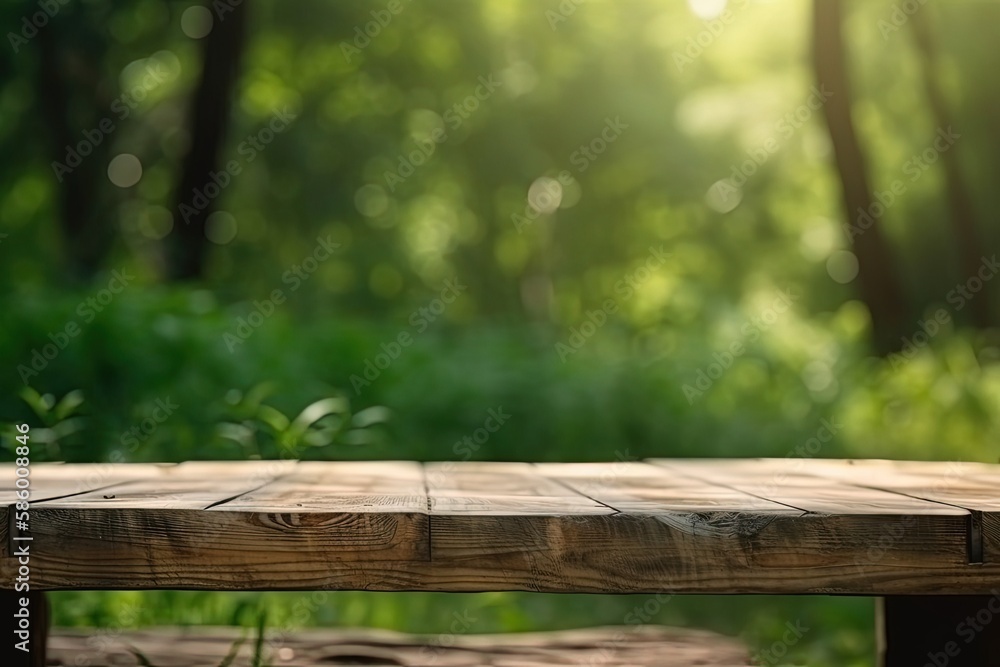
(780,480)
(249,522)
(743,526)
(971,487)
(632,646)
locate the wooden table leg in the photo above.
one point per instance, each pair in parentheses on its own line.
(939,630)
(39,620)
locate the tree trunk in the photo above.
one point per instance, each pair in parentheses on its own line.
(87,234)
(878,286)
(209,119)
(962,212)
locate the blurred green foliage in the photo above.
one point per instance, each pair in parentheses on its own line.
(252,375)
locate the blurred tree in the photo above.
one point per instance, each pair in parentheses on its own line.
(75,97)
(879,287)
(209,120)
(962,211)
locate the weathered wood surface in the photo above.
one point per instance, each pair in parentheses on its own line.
(686,526)
(632,646)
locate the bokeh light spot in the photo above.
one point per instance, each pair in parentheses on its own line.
(371,200)
(723,196)
(707,9)
(125,170)
(196,21)
(155,222)
(843,266)
(220,228)
(545,194)
(817,376)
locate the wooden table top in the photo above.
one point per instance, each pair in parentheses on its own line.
(680,525)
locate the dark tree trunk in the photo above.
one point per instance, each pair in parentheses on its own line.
(962,212)
(879,288)
(87,234)
(209,119)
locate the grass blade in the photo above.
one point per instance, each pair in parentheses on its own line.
(143,660)
(233,650)
(258,651)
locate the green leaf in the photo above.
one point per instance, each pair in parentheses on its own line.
(44,435)
(376,414)
(273,418)
(67,427)
(316,411)
(68,404)
(258,393)
(36,402)
(321,437)
(231,431)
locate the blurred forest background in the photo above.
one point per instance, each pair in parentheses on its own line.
(640,228)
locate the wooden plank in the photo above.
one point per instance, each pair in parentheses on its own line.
(50,480)
(869,528)
(641,487)
(246,523)
(56,480)
(340,487)
(501,489)
(496,527)
(781,481)
(972,486)
(725,545)
(632,646)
